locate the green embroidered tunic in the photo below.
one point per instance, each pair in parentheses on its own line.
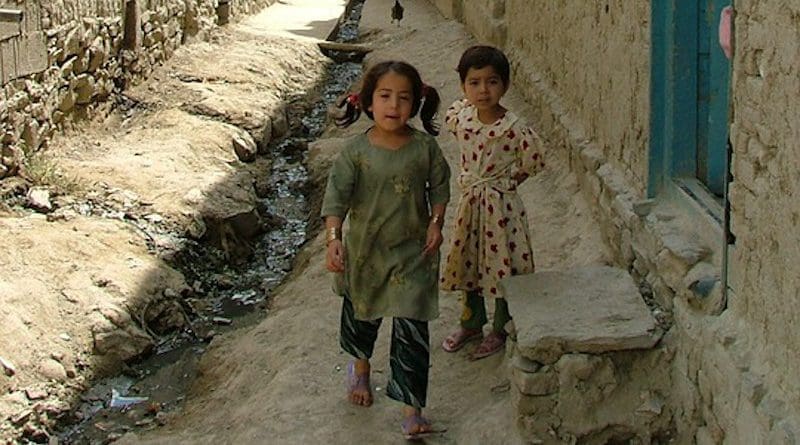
(387,194)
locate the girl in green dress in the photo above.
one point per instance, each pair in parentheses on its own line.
(392,183)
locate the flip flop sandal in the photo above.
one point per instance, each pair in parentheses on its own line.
(419,421)
(355,381)
(492,344)
(458,340)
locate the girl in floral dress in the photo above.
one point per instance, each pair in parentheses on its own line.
(490,238)
(392,183)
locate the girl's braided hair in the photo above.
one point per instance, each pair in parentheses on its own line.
(425,98)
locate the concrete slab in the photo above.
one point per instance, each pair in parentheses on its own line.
(301,19)
(584,310)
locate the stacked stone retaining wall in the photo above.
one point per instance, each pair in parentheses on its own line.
(88,52)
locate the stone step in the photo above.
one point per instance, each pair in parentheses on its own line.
(590,310)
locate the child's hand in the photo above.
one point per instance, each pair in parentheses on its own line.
(335,257)
(433,240)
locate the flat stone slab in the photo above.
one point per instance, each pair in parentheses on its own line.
(588,310)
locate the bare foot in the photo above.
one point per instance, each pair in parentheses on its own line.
(414,425)
(459,338)
(358,389)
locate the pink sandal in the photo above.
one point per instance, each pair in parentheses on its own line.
(459,338)
(492,344)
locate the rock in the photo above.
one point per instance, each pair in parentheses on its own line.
(53,370)
(35,394)
(245,147)
(64,336)
(125,344)
(590,310)
(39,199)
(8,367)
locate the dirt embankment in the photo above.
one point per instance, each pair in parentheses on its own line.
(81,289)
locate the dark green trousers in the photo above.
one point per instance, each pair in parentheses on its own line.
(409,357)
(473,313)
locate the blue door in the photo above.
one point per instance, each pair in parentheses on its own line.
(689,94)
(713,74)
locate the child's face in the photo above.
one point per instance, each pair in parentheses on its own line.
(483,87)
(392,101)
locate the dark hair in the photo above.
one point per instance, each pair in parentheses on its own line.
(481,56)
(425,98)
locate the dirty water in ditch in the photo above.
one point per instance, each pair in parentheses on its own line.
(223,297)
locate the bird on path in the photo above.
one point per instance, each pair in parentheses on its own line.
(397,12)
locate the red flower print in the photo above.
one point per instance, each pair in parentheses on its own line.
(514,230)
(457,242)
(506,147)
(508,206)
(453,287)
(525,256)
(491,133)
(501,274)
(466,136)
(489,234)
(454,274)
(474,156)
(507,261)
(512,246)
(493,290)
(441,280)
(460,221)
(511,134)
(535,156)
(490,208)
(472,200)
(468,263)
(494,248)
(480,147)
(490,167)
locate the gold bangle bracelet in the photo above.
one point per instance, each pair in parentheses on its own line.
(436,219)
(333,233)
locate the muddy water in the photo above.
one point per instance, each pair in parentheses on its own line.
(225,296)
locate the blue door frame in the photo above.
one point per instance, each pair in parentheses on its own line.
(688,94)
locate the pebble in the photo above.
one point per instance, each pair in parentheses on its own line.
(8,367)
(53,370)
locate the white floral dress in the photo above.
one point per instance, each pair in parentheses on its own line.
(490,237)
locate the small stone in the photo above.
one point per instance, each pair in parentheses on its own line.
(245,147)
(8,367)
(35,394)
(64,336)
(222,320)
(39,199)
(52,370)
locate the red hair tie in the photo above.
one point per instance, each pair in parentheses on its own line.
(353,99)
(425,89)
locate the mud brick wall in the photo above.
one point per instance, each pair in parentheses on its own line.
(90,59)
(733,362)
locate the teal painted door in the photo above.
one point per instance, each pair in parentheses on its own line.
(713,77)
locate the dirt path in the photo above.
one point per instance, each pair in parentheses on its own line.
(282,381)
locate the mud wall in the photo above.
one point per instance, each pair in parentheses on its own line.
(585,70)
(68,59)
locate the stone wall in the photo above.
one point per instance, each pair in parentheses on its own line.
(94,50)
(766,168)
(585,70)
